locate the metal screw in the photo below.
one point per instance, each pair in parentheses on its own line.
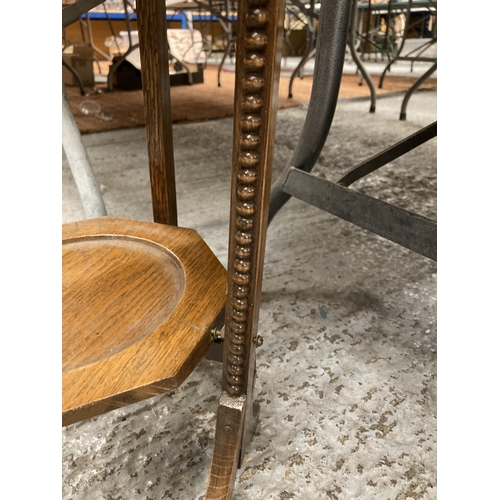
(227,429)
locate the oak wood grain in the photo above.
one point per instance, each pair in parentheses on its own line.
(229,429)
(146,283)
(153,47)
(139,300)
(259,41)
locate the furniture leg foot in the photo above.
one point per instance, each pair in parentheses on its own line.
(249,427)
(227,447)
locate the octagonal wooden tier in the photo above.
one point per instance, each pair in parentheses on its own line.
(139,301)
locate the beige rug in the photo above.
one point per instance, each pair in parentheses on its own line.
(205,101)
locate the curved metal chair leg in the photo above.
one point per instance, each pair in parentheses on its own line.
(76,75)
(359,64)
(403,40)
(226,53)
(95,48)
(330,54)
(310,50)
(414,87)
(298,70)
(96,60)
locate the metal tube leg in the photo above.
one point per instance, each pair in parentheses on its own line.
(414,87)
(308,53)
(76,75)
(299,70)
(91,40)
(79,163)
(330,54)
(226,53)
(403,40)
(359,64)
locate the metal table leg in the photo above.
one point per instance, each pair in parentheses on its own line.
(330,54)
(76,75)
(310,51)
(403,40)
(300,67)
(226,53)
(414,87)
(359,64)
(79,163)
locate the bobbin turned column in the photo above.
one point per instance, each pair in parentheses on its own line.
(259,41)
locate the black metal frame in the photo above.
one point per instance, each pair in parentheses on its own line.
(76,75)
(406,228)
(310,50)
(351,43)
(355,34)
(419,50)
(222,9)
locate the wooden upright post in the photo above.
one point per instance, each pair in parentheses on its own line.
(153,46)
(258,44)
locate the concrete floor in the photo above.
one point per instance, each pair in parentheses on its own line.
(346,377)
(373,63)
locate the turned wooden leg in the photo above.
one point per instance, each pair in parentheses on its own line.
(259,39)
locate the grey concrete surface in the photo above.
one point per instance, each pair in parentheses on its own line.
(346,377)
(374,64)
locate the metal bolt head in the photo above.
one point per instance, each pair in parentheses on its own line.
(217,334)
(227,429)
(258,341)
